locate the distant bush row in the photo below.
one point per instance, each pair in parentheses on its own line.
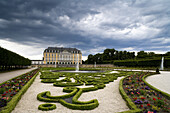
(9,60)
(142,63)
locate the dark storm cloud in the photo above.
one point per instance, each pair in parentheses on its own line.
(88,25)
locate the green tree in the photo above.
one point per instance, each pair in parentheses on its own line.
(142,54)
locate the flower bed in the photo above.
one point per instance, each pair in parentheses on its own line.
(145,98)
(12,87)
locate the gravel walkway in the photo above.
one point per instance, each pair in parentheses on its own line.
(160,81)
(110,100)
(8,75)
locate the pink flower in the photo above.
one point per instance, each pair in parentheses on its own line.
(150,112)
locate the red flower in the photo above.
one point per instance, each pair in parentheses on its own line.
(135,98)
(154,98)
(159,98)
(148,104)
(141,106)
(3,95)
(9,90)
(142,98)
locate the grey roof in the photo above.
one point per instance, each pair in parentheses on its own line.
(61,49)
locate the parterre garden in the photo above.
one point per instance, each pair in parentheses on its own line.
(138,94)
(70,100)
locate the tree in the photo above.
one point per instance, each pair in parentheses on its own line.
(142,54)
(90,59)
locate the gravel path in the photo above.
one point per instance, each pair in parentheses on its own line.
(160,81)
(8,75)
(110,100)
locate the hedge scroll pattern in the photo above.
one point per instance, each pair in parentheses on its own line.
(70,100)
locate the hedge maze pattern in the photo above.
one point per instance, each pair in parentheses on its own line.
(70,100)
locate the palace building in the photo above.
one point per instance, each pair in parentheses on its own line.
(60,55)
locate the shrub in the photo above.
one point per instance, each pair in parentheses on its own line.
(47,107)
(41,97)
(2,90)
(48,94)
(79,106)
(142,62)
(48,80)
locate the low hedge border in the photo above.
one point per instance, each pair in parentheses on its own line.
(75,98)
(48,94)
(60,84)
(11,105)
(129,103)
(80,106)
(152,87)
(40,97)
(48,80)
(47,107)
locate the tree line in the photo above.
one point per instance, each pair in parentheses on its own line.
(109,56)
(10,60)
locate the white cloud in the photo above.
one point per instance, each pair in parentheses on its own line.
(115,20)
(31,52)
(84,58)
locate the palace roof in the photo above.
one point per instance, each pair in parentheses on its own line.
(61,49)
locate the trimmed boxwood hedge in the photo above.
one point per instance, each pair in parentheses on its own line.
(11,105)
(47,107)
(48,94)
(60,84)
(142,62)
(80,106)
(41,97)
(48,80)
(78,94)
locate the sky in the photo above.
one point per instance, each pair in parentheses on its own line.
(27,27)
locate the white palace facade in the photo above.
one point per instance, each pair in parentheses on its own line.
(60,55)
